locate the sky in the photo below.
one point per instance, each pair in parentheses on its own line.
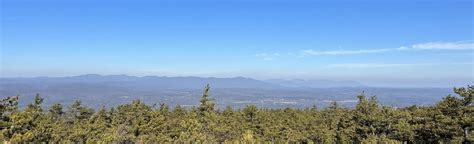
(380,42)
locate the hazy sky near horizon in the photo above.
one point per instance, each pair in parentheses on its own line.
(380,42)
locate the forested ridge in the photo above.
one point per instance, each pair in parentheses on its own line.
(448,121)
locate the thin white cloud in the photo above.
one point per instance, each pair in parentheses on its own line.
(381,65)
(268,56)
(445,45)
(461,45)
(343,52)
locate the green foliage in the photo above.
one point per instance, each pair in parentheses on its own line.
(449,121)
(8,106)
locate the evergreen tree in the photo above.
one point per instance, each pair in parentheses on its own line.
(8,106)
(366,116)
(25,124)
(207,114)
(448,121)
(56,111)
(77,116)
(466,120)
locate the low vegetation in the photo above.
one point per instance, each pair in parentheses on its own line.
(448,121)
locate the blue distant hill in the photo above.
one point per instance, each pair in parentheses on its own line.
(112,90)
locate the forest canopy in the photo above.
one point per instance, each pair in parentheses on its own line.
(448,121)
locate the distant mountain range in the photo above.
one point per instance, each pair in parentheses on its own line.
(299,83)
(112,90)
(156,82)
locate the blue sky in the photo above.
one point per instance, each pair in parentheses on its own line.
(383,42)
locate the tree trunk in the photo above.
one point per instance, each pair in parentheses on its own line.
(466,134)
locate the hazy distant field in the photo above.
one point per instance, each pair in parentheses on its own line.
(238,92)
(97,96)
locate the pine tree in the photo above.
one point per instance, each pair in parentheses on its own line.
(207,114)
(206,103)
(25,124)
(466,120)
(56,111)
(449,121)
(366,116)
(77,116)
(403,129)
(8,106)
(77,112)
(192,128)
